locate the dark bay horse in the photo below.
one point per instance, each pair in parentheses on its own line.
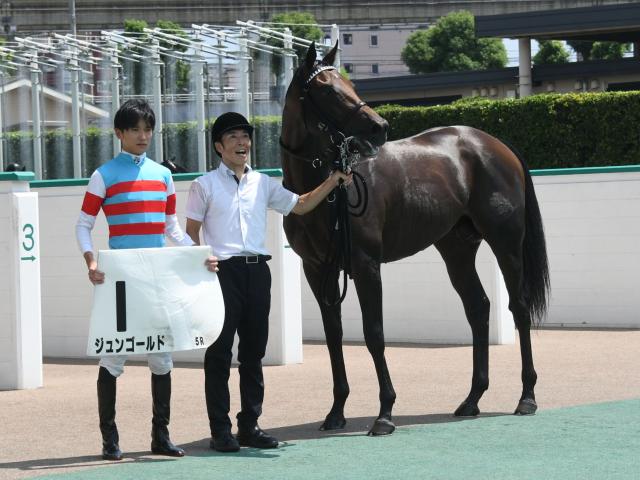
(451,187)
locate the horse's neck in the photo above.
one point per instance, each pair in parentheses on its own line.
(293,125)
(299,175)
(299,172)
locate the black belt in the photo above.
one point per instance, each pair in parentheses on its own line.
(247,259)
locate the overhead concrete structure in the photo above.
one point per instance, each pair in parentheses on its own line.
(96,15)
(618,23)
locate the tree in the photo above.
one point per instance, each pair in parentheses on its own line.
(3,56)
(135,29)
(582,48)
(451,45)
(302,25)
(551,52)
(609,50)
(588,50)
(179,75)
(181,69)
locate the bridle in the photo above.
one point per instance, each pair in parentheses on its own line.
(345,157)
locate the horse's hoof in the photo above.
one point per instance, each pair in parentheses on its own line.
(526,406)
(382,426)
(333,422)
(467,410)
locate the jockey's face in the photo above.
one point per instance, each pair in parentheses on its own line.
(235,147)
(135,140)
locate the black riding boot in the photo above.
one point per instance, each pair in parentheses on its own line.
(161,393)
(107,412)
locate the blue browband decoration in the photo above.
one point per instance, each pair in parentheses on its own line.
(317,71)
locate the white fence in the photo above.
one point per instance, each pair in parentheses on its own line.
(592,224)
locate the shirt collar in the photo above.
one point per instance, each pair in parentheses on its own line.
(136,159)
(227,171)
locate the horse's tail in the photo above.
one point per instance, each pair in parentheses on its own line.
(536,284)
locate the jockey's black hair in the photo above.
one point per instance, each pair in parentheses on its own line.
(131,112)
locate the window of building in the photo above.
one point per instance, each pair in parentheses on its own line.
(348,67)
(347,38)
(373,40)
(374,68)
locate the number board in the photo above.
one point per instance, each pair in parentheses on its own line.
(155,300)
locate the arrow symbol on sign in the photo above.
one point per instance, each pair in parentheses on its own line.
(31,258)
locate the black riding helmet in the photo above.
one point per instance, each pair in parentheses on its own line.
(229,121)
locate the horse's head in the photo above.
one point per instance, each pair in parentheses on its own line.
(324,103)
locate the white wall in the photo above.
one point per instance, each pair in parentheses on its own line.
(8,371)
(592,225)
(419,303)
(20,327)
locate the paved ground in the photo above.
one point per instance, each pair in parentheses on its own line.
(54,429)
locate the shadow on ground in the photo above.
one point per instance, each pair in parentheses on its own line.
(357,426)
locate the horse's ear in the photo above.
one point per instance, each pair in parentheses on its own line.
(310,60)
(330,57)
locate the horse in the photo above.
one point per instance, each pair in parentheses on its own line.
(173,166)
(450,187)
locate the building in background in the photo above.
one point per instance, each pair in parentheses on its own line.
(372,51)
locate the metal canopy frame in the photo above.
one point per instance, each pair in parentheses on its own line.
(78,55)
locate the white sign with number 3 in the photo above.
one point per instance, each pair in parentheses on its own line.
(155,300)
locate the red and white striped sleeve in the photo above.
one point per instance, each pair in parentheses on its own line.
(93,198)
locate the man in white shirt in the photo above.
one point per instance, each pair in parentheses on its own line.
(230,205)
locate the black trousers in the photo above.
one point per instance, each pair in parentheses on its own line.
(246,289)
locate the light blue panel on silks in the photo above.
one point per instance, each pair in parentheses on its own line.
(155,300)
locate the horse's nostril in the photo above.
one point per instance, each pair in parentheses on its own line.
(378,128)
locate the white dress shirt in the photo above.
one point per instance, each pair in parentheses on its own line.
(234,214)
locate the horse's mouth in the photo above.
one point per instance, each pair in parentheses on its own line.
(365,148)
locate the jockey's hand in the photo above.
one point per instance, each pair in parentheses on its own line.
(211,263)
(95,276)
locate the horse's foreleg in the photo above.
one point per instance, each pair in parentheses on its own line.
(369,287)
(332,323)
(459,256)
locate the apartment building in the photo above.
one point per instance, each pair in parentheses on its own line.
(372,51)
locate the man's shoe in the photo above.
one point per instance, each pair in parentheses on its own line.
(224,442)
(111,452)
(256,437)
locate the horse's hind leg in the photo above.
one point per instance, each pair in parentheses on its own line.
(366,276)
(332,322)
(508,252)
(458,249)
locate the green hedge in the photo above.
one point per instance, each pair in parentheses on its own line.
(550,130)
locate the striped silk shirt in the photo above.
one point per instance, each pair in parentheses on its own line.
(138,198)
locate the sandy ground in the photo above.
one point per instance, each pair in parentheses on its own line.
(54,429)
